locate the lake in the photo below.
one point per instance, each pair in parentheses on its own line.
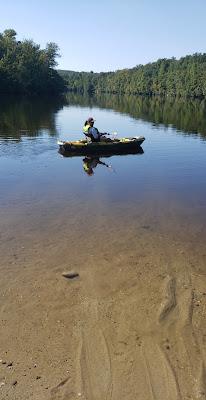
(125,228)
(163,188)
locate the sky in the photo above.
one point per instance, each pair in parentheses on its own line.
(108,35)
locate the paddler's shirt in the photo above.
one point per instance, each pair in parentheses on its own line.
(94,132)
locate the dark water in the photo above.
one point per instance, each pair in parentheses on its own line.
(161,190)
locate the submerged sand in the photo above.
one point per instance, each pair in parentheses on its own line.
(131,326)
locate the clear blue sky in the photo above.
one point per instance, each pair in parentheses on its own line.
(108,35)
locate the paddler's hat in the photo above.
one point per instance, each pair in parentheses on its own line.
(90,119)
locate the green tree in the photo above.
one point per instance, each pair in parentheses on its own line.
(25,68)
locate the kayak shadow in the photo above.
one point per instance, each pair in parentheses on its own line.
(91,162)
(121,152)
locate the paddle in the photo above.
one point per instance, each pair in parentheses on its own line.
(113,134)
(110,134)
(107,165)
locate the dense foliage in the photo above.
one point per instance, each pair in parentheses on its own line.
(25,68)
(185,77)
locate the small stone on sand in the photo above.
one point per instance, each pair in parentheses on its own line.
(70,275)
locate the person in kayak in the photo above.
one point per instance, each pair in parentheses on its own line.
(92,133)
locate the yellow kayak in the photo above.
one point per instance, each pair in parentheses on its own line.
(109,146)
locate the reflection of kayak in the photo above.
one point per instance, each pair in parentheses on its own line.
(116,146)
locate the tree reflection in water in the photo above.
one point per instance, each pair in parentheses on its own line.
(186,115)
(26,117)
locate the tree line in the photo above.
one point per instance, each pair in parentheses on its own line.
(27,69)
(185,77)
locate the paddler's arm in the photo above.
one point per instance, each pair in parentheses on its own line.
(103,163)
(103,133)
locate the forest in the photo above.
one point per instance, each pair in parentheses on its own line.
(185,77)
(27,69)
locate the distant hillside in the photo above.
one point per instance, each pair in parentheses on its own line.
(185,77)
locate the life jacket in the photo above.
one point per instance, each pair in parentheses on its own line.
(86,167)
(86,129)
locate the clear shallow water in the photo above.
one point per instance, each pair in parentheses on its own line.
(162,189)
(123,230)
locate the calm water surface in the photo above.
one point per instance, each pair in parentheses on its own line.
(159,192)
